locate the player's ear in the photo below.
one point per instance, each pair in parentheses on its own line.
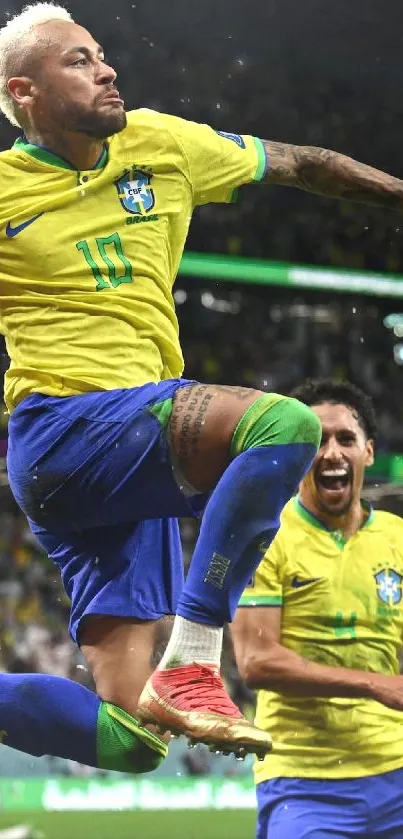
(21,88)
(369,453)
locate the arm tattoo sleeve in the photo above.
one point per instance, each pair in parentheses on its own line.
(331,174)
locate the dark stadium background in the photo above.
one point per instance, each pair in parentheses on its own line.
(318,73)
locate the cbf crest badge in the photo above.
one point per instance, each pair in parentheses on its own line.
(389,586)
(135,192)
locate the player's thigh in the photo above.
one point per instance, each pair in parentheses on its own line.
(201,427)
(121,654)
(385,804)
(281,824)
(120,581)
(309,809)
(102,458)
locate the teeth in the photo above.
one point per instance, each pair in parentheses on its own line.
(334,473)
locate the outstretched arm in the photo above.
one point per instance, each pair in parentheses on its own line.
(331,174)
(265,664)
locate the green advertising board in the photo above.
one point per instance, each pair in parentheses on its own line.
(126,793)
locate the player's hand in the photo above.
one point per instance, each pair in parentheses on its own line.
(388,690)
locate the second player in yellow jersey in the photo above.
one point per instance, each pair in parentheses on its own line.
(319,633)
(342,605)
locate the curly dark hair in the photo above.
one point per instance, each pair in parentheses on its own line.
(317,391)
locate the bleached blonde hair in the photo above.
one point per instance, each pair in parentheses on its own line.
(13,37)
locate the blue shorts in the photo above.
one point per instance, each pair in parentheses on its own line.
(94,476)
(355,808)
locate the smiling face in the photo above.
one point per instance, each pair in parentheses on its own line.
(66,83)
(334,483)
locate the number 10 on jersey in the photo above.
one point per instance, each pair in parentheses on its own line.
(112,262)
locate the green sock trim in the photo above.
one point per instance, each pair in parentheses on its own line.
(162,411)
(274,420)
(123,745)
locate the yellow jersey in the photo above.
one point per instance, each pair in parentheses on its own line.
(341,606)
(88,259)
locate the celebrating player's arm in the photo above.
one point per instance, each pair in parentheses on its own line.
(330,174)
(219,162)
(265,663)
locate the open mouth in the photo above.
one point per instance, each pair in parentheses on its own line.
(334,480)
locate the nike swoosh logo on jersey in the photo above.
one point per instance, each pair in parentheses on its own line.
(14,231)
(297,583)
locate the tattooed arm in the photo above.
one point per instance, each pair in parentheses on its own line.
(331,174)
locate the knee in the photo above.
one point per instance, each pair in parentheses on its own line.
(274,420)
(301,425)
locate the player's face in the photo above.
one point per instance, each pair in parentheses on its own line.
(336,477)
(73,86)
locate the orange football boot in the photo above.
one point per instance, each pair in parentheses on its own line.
(192,700)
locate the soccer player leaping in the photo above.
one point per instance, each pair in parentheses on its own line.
(108,445)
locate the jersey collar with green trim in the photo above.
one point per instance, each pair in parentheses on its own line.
(44,155)
(314,521)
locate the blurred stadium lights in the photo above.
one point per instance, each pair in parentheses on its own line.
(180,296)
(393,320)
(218,304)
(398,353)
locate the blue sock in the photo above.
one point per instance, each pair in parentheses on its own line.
(47,715)
(243,513)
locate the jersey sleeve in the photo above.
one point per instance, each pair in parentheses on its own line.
(217,162)
(266,587)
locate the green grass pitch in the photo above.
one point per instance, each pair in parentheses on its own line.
(192,824)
